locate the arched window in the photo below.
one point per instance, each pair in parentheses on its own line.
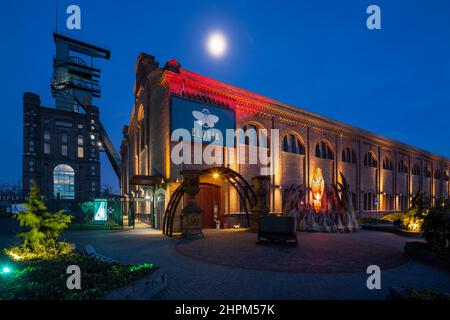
(64,182)
(323,150)
(255,136)
(370,160)
(387,164)
(292,144)
(415,170)
(402,168)
(349,155)
(446,176)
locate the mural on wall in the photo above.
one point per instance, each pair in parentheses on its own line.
(332,208)
(317,188)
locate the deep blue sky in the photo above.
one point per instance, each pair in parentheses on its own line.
(317,55)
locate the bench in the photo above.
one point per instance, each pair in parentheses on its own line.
(277,229)
(90,252)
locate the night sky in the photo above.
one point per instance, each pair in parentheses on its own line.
(317,55)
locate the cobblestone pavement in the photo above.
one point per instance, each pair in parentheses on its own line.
(191,278)
(315,253)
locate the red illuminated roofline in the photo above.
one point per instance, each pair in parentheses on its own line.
(189,81)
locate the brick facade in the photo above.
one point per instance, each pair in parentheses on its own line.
(375,187)
(39,164)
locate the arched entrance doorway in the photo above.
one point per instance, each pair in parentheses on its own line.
(242,187)
(209,200)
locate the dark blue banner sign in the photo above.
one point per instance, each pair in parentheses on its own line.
(204,122)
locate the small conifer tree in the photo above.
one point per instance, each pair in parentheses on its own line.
(44,227)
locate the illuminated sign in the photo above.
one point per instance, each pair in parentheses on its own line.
(205,123)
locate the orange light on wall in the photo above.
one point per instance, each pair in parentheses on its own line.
(317,188)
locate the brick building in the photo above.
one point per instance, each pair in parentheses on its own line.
(61,145)
(384,174)
(59,151)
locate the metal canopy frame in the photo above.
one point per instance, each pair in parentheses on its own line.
(243,188)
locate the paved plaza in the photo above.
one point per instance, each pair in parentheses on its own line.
(229,264)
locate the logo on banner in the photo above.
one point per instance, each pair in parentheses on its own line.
(205,119)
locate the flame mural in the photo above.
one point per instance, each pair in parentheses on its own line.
(317,188)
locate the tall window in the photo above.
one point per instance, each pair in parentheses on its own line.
(388,202)
(370,160)
(31,146)
(402,168)
(415,170)
(427,172)
(80,143)
(369,201)
(292,144)
(323,150)
(403,202)
(387,164)
(446,176)
(64,144)
(47,149)
(349,155)
(63,182)
(437,174)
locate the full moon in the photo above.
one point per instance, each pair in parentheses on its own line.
(217,44)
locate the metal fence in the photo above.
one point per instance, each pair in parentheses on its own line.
(100,213)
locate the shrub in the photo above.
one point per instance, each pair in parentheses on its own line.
(436,227)
(413,218)
(392,217)
(43,227)
(38,251)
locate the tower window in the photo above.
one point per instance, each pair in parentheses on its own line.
(47,148)
(80,149)
(64,144)
(64,182)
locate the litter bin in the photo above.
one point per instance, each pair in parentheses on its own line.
(217,224)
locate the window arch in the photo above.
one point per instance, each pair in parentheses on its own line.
(349,155)
(370,160)
(415,170)
(293,144)
(64,182)
(323,150)
(446,176)
(402,168)
(387,164)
